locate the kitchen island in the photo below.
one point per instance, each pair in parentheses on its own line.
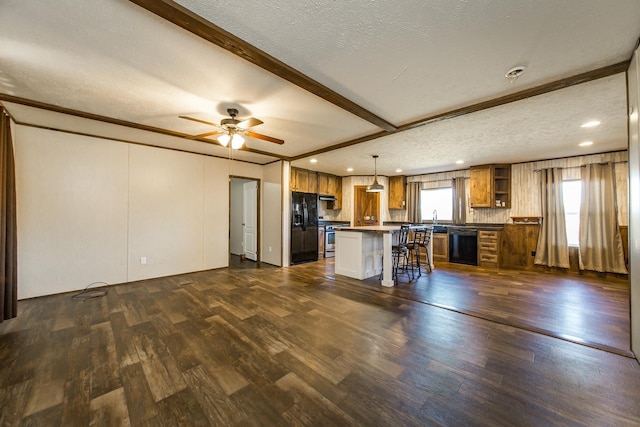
(363,252)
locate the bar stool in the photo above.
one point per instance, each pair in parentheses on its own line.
(421,239)
(400,254)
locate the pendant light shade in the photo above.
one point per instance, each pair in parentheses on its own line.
(375,187)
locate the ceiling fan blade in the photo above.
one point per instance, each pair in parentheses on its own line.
(202,135)
(198,120)
(264,137)
(250,122)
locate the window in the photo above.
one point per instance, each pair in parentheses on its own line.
(437,199)
(571,192)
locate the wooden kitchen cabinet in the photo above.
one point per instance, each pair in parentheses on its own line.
(490,186)
(323,184)
(337,193)
(518,243)
(488,251)
(397,192)
(440,242)
(321,232)
(304,181)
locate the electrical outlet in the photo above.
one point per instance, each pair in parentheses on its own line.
(269,248)
(143,260)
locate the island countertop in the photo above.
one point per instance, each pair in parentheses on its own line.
(376,228)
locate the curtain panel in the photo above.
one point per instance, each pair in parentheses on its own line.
(414,214)
(459,201)
(553,248)
(600,240)
(8,227)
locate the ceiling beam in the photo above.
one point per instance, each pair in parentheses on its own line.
(195,24)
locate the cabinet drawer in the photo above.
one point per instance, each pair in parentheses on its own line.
(492,246)
(486,257)
(488,235)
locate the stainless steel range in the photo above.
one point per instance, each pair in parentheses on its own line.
(329,241)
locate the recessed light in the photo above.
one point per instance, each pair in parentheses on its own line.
(590,124)
(585,143)
(459,162)
(513,74)
(314,160)
(398,170)
(349,169)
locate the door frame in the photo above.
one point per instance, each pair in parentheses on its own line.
(362,188)
(258,217)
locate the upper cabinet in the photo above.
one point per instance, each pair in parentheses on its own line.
(335,189)
(490,186)
(397,192)
(304,181)
(307,181)
(323,183)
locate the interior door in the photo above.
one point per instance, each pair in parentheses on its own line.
(250,220)
(366,209)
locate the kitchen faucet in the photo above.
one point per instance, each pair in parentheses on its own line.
(435,217)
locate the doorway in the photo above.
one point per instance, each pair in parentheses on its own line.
(366,209)
(244,220)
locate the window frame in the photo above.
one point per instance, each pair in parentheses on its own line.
(426,214)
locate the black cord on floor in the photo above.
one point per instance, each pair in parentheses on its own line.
(87,293)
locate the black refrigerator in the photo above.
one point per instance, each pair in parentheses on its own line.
(304,227)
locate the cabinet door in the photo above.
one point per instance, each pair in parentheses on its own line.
(397,188)
(332,183)
(312,182)
(480,187)
(337,204)
(323,183)
(440,246)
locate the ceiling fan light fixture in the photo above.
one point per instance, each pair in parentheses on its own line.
(224,139)
(237,141)
(375,187)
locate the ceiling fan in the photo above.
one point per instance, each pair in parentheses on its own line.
(233,130)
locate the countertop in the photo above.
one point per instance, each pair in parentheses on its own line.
(444,227)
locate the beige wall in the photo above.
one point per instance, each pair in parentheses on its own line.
(633,83)
(525,186)
(89,209)
(272,203)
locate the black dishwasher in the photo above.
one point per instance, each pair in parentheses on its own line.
(463,245)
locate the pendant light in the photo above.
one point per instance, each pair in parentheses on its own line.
(375,187)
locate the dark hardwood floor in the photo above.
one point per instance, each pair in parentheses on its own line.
(298,346)
(585,309)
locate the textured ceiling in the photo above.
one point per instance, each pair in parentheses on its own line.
(403,61)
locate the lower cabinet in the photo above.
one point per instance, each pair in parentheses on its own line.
(440,246)
(320,241)
(488,251)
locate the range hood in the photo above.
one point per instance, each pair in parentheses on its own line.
(327,198)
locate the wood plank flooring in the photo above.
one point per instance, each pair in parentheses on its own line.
(294,346)
(585,309)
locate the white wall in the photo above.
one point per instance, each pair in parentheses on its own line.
(272,214)
(165,212)
(89,209)
(72,199)
(633,84)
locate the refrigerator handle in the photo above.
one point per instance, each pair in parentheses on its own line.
(305,215)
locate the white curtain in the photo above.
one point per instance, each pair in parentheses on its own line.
(553,249)
(600,240)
